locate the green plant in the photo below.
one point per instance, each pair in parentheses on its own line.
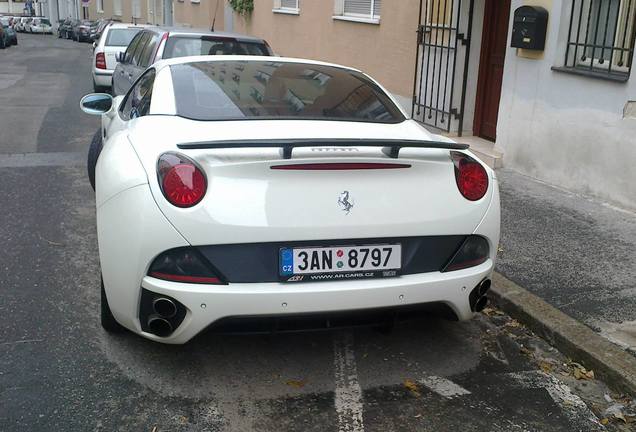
(243,7)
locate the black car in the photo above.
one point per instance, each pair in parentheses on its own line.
(82,31)
(65,29)
(98,28)
(4,38)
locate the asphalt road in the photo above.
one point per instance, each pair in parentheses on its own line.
(574,252)
(60,372)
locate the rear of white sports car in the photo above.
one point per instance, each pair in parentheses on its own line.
(289,196)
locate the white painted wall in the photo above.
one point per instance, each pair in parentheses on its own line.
(564,129)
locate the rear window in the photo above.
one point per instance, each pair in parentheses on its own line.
(121,37)
(275,90)
(183,46)
(45,21)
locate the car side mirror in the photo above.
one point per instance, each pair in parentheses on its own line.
(94,45)
(120,57)
(96,103)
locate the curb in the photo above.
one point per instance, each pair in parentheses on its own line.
(609,362)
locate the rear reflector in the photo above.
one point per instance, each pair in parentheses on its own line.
(474,251)
(184,264)
(184,278)
(339,166)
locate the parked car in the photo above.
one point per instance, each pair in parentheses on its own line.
(82,30)
(156,43)
(10,33)
(20,25)
(5,42)
(65,29)
(40,25)
(98,28)
(115,38)
(214,207)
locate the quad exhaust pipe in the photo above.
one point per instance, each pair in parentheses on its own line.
(477,298)
(160,314)
(164,307)
(159,326)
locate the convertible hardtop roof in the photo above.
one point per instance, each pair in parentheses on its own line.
(234,58)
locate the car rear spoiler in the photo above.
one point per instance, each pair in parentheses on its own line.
(391,148)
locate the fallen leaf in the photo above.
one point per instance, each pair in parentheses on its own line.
(412,387)
(491,311)
(296,383)
(513,323)
(546,367)
(604,421)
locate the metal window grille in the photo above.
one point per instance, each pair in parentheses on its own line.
(443,48)
(601,38)
(289,4)
(365,8)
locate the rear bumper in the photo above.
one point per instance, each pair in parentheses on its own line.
(207,304)
(103,77)
(132,231)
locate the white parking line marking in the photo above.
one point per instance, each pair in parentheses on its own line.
(348,393)
(570,404)
(17,160)
(443,387)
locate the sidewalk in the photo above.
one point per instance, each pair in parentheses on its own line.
(577,254)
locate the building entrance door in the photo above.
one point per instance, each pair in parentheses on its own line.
(491,65)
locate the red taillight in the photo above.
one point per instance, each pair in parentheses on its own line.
(182,181)
(342,166)
(471,177)
(100,61)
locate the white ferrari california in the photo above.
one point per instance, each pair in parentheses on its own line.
(252,193)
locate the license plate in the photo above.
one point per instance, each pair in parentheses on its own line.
(312,264)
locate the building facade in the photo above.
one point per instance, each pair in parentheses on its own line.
(564,114)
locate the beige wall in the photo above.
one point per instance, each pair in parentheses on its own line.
(385,51)
(199,15)
(126,16)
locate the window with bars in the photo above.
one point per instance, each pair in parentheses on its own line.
(364,9)
(291,6)
(601,37)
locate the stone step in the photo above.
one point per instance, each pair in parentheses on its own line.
(483,149)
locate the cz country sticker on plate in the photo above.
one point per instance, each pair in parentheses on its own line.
(312,264)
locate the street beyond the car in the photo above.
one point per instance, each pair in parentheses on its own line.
(234,188)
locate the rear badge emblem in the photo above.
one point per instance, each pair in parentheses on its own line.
(346,202)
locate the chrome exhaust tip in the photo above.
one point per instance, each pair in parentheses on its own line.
(164,307)
(159,326)
(481,303)
(483,287)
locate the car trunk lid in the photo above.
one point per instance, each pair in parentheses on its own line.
(326,191)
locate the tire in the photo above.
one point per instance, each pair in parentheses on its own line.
(109,323)
(93,154)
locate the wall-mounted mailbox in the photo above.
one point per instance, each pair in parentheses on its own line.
(529,28)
